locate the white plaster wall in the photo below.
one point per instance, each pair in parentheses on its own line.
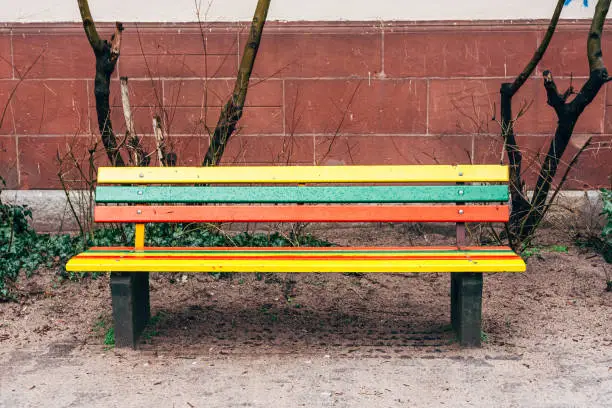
(289,10)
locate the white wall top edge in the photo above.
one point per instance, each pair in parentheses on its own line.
(16,11)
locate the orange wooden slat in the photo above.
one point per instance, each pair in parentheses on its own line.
(304,213)
(317,249)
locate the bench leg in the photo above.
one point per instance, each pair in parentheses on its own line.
(131,310)
(466,307)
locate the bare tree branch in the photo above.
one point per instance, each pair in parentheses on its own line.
(90,26)
(594,54)
(22,77)
(159,141)
(539,52)
(232,111)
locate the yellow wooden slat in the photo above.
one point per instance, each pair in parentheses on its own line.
(332,266)
(303,174)
(139,237)
(297,253)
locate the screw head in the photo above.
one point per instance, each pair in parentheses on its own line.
(460,173)
(138,211)
(460,211)
(460,192)
(140,192)
(141,175)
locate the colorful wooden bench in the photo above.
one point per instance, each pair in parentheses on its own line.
(429,193)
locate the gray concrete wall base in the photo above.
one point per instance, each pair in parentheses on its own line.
(50,209)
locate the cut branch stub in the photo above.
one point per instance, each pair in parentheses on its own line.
(139,158)
(554,98)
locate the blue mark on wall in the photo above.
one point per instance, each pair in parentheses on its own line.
(585,3)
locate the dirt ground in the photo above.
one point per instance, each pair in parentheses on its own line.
(371,340)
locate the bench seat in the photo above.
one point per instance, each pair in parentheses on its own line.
(311,259)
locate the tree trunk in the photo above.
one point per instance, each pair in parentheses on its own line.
(106,55)
(519,203)
(567,115)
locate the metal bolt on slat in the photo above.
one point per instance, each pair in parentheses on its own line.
(138,211)
(139,192)
(460,211)
(460,192)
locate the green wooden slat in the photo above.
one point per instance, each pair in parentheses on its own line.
(337,194)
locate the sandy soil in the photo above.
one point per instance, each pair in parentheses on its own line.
(318,339)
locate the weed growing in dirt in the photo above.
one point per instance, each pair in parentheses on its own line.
(152,328)
(531,251)
(109,338)
(558,248)
(100,324)
(537,251)
(606,234)
(602,244)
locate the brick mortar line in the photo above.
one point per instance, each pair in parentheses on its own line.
(427,108)
(190,106)
(605,110)
(17,149)
(89,118)
(284,108)
(341,78)
(237,50)
(536,71)
(178,54)
(431,135)
(163,95)
(382,51)
(228,27)
(12,55)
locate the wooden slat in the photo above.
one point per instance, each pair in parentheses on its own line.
(311,250)
(309,259)
(304,213)
(139,236)
(364,256)
(296,253)
(321,194)
(127,264)
(303,174)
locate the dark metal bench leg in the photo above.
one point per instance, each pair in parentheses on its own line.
(466,307)
(131,310)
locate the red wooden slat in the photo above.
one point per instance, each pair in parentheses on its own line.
(303,213)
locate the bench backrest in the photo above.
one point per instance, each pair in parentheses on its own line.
(435,193)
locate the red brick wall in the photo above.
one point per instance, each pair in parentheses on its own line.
(325,93)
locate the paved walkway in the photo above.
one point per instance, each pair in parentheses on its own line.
(68,376)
